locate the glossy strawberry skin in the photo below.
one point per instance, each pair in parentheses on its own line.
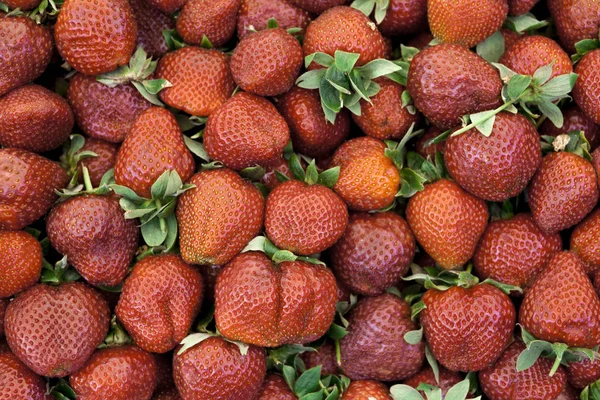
(245,131)
(151,22)
(575,20)
(21,260)
(97,166)
(215,19)
(482,321)
(256,13)
(201,80)
(275,388)
(501,381)
(584,242)
(563,191)
(323,356)
(367,390)
(426,375)
(532,52)
(574,120)
(27,187)
(269,179)
(90,44)
(74,318)
(159,302)
(218,217)
(224,367)
(404,17)
(19,382)
(293,302)
(561,306)
(585,91)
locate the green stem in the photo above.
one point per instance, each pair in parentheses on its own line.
(338,353)
(496,111)
(86,179)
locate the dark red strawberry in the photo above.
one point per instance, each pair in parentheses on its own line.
(420,41)
(520,7)
(19,382)
(98,166)
(584,242)
(317,6)
(447,378)
(583,373)
(596,163)
(404,17)
(210,274)
(269,179)
(575,20)
(323,356)
(532,52)
(151,23)
(21,260)
(256,13)
(367,390)
(275,388)
(167,6)
(215,19)
(3,305)
(574,120)
(585,91)
(22,5)
(425,150)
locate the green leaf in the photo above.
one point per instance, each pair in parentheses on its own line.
(138,212)
(322,59)
(329,177)
(525,22)
(583,47)
(365,6)
(272,23)
(312,175)
(432,363)
(196,148)
(329,114)
(381,10)
(153,86)
(559,86)
(171,238)
(505,72)
(411,183)
(334,395)
(206,43)
(311,79)
(338,80)
(551,111)
(192,340)
(296,168)
(414,337)
(289,374)
(358,85)
(153,234)
(336,332)
(458,391)
(405,392)
(507,289)
(542,74)
(284,256)
(345,61)
(330,96)
(484,121)
(529,356)
(377,68)
(127,193)
(406,98)
(308,382)
(255,173)
(492,48)
(517,85)
(147,95)
(416,309)
(159,187)
(559,350)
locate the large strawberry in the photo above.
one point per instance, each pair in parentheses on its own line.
(275,388)
(213,19)
(574,120)
(19,382)
(575,20)
(367,390)
(585,91)
(21,260)
(22,5)
(532,52)
(584,241)
(151,23)
(256,13)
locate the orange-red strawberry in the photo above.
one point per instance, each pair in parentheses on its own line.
(22,5)
(586,90)
(267,63)
(269,305)
(532,52)
(584,242)
(426,375)
(323,356)
(27,187)
(21,260)
(317,6)
(245,131)
(583,373)
(366,390)
(74,319)
(95,37)
(256,14)
(275,388)
(215,19)
(448,81)
(574,120)
(151,23)
(106,155)
(159,302)
(447,222)
(520,7)
(561,305)
(430,150)
(404,17)
(218,217)
(575,20)
(201,80)
(19,382)
(25,49)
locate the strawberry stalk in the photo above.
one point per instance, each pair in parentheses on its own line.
(72,155)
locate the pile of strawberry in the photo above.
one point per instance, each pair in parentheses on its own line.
(299,199)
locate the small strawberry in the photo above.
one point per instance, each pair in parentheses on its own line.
(426,150)
(151,23)
(585,91)
(574,120)
(583,373)
(532,52)
(447,379)
(324,356)
(275,388)
(575,20)
(19,382)
(366,390)
(520,7)
(213,19)
(584,242)
(316,6)
(397,17)
(106,155)
(21,260)
(256,13)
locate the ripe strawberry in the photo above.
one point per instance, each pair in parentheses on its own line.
(574,120)
(159,302)
(323,356)
(520,7)
(312,135)
(19,382)
(22,5)
(426,375)
(21,260)
(583,373)
(27,188)
(275,388)
(584,242)
(227,372)
(88,42)
(293,302)
(596,163)
(532,52)
(404,17)
(374,347)
(448,81)
(367,390)
(74,319)
(561,306)
(346,29)
(256,14)
(98,166)
(167,6)
(575,20)
(374,253)
(510,37)
(151,23)
(245,131)
(281,165)
(316,6)
(501,381)
(215,19)
(117,373)
(267,63)
(25,48)
(218,217)
(429,151)
(3,305)
(585,91)
(368,178)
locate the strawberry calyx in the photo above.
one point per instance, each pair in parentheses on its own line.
(573,142)
(591,392)
(47,9)
(583,47)
(87,187)
(72,155)
(460,391)
(61,272)
(61,390)
(525,23)
(311,175)
(263,244)
(367,7)
(116,336)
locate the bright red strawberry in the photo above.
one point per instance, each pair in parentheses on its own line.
(27,187)
(95,37)
(218,217)
(520,7)
(448,81)
(374,347)
(574,120)
(293,302)
(317,6)
(404,17)
(267,63)
(586,90)
(22,5)
(97,166)
(532,52)
(19,382)
(245,131)
(215,19)
(429,151)
(21,260)
(561,306)
(256,14)
(74,319)
(323,356)
(575,20)
(151,23)
(584,242)
(583,373)
(159,302)
(426,375)
(275,388)
(25,49)
(367,390)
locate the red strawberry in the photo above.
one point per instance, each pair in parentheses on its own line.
(596,163)
(448,81)
(256,14)
(25,49)
(510,37)
(367,390)
(267,63)
(430,150)
(3,305)
(19,382)
(215,19)
(159,302)
(420,41)
(245,131)
(22,5)
(97,166)
(584,242)
(275,388)
(520,7)
(151,23)
(74,319)
(575,20)
(28,186)
(317,6)
(404,17)
(167,6)
(583,373)
(426,375)
(561,306)
(323,356)
(269,179)
(21,260)
(218,217)
(88,41)
(532,52)
(293,302)
(574,120)
(585,91)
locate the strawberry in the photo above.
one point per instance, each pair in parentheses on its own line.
(448,81)
(374,347)
(583,373)
(596,163)
(229,371)
(324,356)
(514,251)
(569,393)
(21,258)
(245,131)
(213,19)
(267,63)
(510,37)
(403,17)
(218,217)
(420,41)
(28,186)
(282,166)
(106,155)
(447,20)
(574,120)
(575,20)
(74,319)
(585,91)
(3,305)
(374,253)
(584,242)
(151,23)
(90,44)
(118,373)
(25,48)
(312,135)
(447,222)
(447,378)
(293,302)
(256,13)
(532,52)
(367,390)
(520,7)
(426,150)
(316,6)
(275,388)
(502,381)
(561,306)
(19,382)
(167,6)
(22,5)
(159,302)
